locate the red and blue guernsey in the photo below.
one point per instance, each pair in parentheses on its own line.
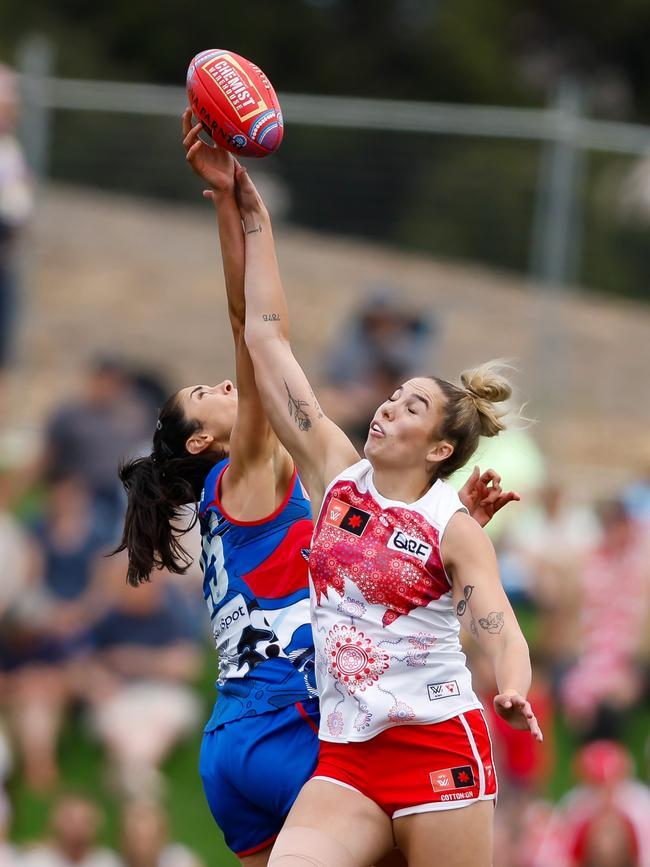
(256,588)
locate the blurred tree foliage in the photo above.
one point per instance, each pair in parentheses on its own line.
(454,197)
(459,50)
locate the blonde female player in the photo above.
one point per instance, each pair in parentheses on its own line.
(395,563)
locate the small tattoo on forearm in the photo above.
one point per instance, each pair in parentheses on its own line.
(297,412)
(255,230)
(492,623)
(461,608)
(271,317)
(474,629)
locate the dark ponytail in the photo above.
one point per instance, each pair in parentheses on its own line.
(158,486)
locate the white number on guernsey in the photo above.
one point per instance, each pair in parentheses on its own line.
(215,573)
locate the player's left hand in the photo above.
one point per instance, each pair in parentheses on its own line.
(483,496)
(212,164)
(518,713)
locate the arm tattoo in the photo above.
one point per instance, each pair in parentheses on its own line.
(492,623)
(461,608)
(474,629)
(255,230)
(297,412)
(271,317)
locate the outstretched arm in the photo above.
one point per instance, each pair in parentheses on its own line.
(252,439)
(481,603)
(320,448)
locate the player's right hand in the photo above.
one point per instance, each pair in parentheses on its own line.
(211,163)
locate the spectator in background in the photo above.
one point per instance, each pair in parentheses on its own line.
(75,822)
(381,346)
(15,208)
(614,593)
(145,838)
(542,553)
(636,496)
(520,825)
(603,822)
(146,657)
(524,766)
(50,630)
(89,437)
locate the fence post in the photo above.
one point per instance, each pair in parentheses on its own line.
(34,63)
(555,254)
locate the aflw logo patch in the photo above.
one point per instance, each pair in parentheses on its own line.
(452,778)
(346,517)
(442,690)
(399,541)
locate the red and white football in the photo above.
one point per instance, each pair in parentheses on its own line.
(235,102)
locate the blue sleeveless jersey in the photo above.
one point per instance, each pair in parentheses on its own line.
(256,587)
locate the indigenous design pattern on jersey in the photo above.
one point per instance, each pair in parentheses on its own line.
(386,633)
(256,588)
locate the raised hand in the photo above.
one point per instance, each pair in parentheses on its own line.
(518,713)
(251,206)
(211,163)
(483,496)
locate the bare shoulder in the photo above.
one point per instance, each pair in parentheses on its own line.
(465,538)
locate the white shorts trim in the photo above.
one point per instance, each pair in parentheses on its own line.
(339,783)
(436,806)
(477,755)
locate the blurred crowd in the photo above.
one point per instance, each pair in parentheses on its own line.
(77,643)
(16,199)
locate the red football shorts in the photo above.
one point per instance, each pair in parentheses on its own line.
(416,768)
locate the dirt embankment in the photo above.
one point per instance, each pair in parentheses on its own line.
(144,279)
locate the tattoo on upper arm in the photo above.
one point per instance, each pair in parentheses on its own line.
(297,412)
(255,230)
(474,629)
(271,317)
(492,623)
(461,608)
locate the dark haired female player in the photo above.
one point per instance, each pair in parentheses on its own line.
(395,563)
(213,444)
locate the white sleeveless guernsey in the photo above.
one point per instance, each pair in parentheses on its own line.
(385,630)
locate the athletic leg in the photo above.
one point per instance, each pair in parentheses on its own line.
(332,826)
(455,838)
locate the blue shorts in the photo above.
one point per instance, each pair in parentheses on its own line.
(252,770)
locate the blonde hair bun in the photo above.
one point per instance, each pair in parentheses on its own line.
(486,385)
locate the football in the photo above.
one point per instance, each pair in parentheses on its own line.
(235,102)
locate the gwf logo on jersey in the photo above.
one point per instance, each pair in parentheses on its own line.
(399,541)
(442,690)
(231,619)
(346,517)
